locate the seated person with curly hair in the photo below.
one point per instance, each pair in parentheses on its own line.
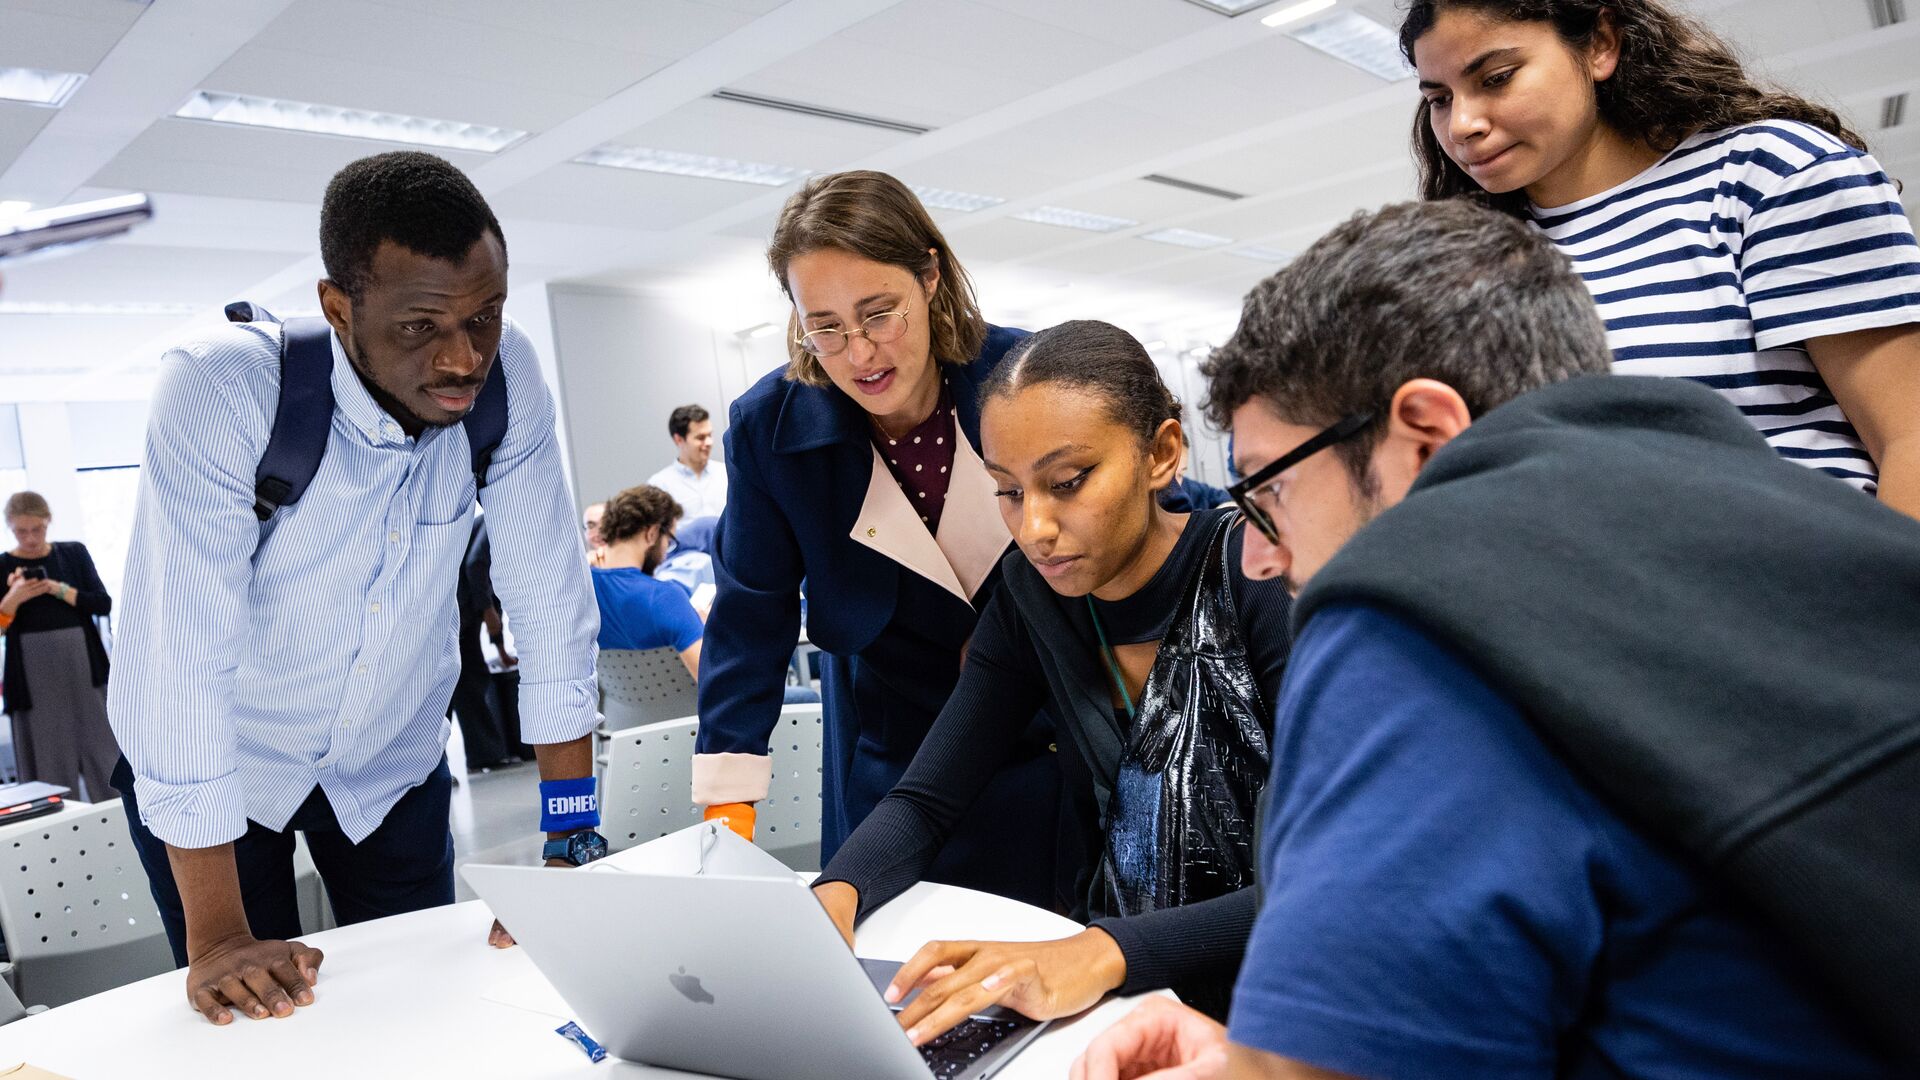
(638,610)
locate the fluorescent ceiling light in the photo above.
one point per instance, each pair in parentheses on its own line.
(674,163)
(1156,343)
(240,109)
(37,87)
(31,307)
(756,331)
(1259,253)
(1075,219)
(1186,238)
(1296,12)
(1359,41)
(10,208)
(963,201)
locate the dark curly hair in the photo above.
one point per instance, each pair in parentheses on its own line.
(1674,78)
(635,510)
(416,200)
(1095,357)
(1418,290)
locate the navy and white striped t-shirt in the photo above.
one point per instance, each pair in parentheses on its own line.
(1718,263)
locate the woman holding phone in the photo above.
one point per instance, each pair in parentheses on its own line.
(56,674)
(1732,235)
(855,473)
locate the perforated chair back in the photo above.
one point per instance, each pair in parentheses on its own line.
(647,791)
(75,906)
(644,686)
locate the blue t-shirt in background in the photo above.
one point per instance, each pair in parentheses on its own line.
(639,611)
(1445,898)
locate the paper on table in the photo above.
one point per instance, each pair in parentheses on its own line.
(24,1071)
(526,989)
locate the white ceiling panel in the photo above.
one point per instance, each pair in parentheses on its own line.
(412,44)
(932,62)
(1121,256)
(655,27)
(197,158)
(62,35)
(594,194)
(472,97)
(18,125)
(1144,200)
(730,129)
(1129,24)
(1763,28)
(1378,135)
(136,273)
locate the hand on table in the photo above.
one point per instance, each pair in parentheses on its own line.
(260,978)
(498,936)
(1038,979)
(1159,1040)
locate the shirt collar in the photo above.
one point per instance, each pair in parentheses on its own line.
(351,398)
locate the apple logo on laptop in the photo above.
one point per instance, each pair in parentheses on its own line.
(689,985)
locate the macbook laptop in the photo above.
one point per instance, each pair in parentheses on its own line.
(712,957)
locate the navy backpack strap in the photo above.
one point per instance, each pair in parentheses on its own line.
(486,422)
(303,419)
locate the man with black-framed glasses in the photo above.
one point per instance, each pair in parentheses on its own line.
(1596,750)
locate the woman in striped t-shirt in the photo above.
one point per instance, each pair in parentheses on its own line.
(1738,237)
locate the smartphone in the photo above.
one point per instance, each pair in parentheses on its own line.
(44,231)
(33,573)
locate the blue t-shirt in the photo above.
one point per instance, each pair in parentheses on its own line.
(639,611)
(1445,898)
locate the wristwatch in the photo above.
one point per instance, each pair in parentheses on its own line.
(579,849)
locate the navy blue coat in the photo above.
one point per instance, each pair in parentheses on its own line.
(799,461)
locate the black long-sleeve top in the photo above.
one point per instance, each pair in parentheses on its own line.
(70,564)
(1000,688)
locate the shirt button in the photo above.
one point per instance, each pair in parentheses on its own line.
(375,607)
(361,668)
(393,537)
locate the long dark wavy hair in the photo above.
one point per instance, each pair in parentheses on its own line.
(1674,78)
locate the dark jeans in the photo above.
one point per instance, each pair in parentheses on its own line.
(404,865)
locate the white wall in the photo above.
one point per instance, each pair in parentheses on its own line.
(627,359)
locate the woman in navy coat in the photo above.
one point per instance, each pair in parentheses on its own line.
(855,472)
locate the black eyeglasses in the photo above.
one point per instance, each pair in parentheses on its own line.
(1247,493)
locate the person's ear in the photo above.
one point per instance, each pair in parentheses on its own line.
(1425,415)
(337,306)
(1603,52)
(1163,455)
(930,278)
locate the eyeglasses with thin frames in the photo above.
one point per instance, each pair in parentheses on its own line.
(887,326)
(1248,494)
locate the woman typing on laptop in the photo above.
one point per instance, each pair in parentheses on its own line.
(1157,660)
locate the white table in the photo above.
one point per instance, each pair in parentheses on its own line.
(422,995)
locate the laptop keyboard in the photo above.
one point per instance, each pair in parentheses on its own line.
(956,1051)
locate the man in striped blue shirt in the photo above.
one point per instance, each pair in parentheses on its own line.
(294,675)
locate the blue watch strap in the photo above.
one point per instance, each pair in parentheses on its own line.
(566,805)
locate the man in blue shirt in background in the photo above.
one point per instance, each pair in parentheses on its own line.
(638,610)
(293,674)
(1581,667)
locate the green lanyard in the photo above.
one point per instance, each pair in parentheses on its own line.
(1113,663)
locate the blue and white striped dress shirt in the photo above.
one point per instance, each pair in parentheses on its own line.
(254,662)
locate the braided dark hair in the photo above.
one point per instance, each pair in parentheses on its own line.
(1099,358)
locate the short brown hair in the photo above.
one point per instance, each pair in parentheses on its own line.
(875,216)
(635,510)
(28,504)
